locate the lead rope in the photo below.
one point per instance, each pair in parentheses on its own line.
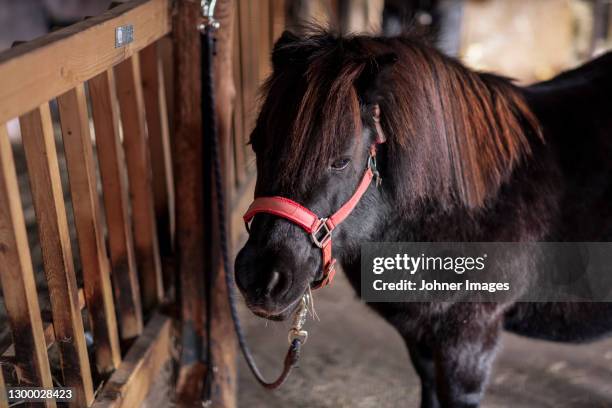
(296,336)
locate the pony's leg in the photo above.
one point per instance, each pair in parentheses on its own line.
(463,363)
(421,356)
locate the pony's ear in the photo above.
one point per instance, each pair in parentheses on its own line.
(285,49)
(376,68)
(287,37)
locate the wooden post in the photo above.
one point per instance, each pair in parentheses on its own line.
(188,171)
(191,205)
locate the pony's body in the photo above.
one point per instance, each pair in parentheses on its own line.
(564,193)
(513,164)
(574,112)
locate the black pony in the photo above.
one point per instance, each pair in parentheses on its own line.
(469,157)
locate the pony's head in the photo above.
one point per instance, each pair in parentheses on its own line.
(453,137)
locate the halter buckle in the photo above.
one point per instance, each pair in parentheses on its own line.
(372,166)
(320,242)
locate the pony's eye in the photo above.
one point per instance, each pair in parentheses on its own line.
(340,164)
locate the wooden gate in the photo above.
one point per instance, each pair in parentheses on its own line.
(91,83)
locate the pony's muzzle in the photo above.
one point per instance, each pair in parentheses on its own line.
(263,280)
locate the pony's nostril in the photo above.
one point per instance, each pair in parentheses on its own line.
(273,282)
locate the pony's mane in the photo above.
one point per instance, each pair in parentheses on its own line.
(310,109)
(453,134)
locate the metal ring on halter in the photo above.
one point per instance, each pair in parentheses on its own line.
(300,335)
(372,166)
(372,162)
(299,318)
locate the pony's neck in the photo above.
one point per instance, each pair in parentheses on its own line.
(453,134)
(521,210)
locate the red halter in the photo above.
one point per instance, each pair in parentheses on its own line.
(320,229)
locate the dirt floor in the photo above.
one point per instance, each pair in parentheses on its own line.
(355,359)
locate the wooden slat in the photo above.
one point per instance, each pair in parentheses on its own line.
(277,12)
(244,198)
(116,202)
(159,144)
(238,116)
(131,102)
(166,52)
(129,385)
(17,277)
(231,168)
(85,202)
(75,54)
(249,69)
(264,23)
(81,299)
(48,198)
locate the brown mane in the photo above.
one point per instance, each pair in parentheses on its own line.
(453,134)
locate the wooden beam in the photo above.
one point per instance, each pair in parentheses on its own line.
(85,202)
(131,382)
(116,203)
(138,160)
(75,54)
(17,278)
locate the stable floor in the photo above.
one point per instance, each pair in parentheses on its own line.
(355,359)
